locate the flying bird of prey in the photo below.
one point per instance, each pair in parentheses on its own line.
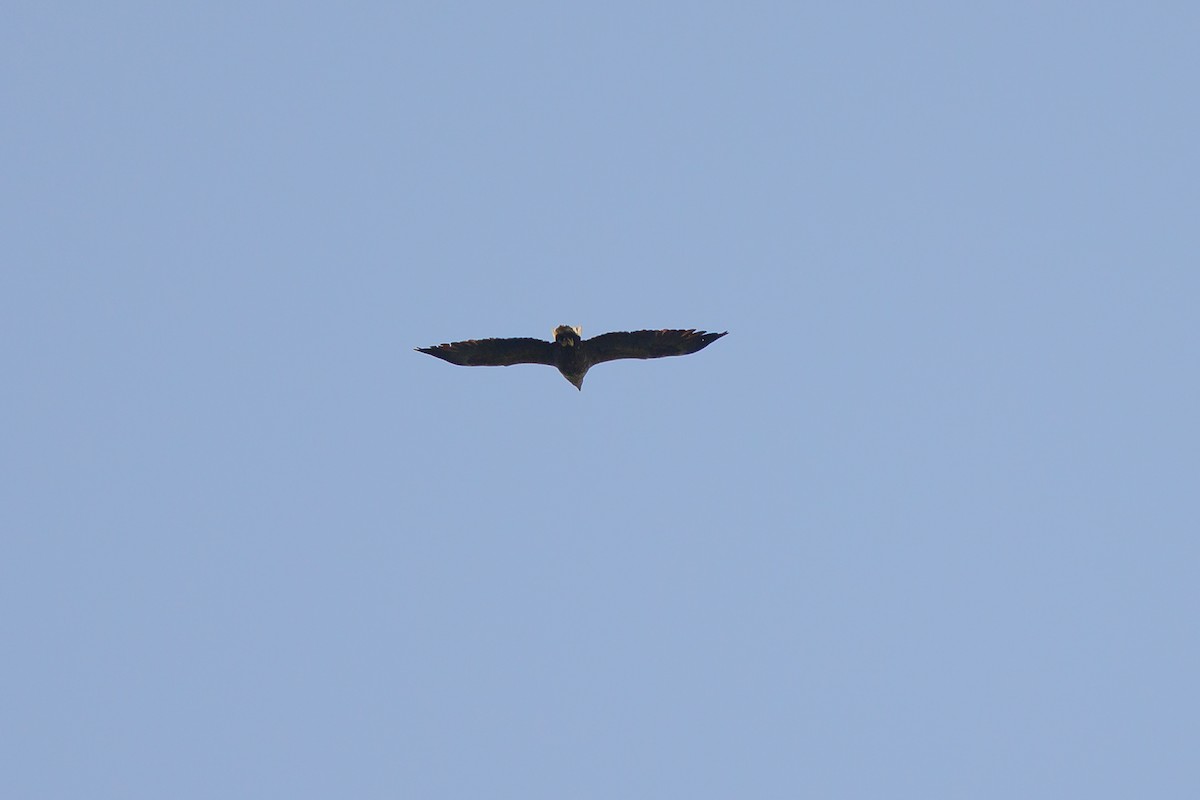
(570,352)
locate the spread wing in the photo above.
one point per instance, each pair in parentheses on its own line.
(493,352)
(647,344)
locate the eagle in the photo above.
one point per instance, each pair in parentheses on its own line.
(570,352)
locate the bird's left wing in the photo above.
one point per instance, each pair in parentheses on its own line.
(493,352)
(647,344)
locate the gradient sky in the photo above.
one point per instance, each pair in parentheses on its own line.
(923,525)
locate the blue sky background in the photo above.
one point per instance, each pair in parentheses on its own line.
(923,525)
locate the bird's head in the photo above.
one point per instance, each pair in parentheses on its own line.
(567,335)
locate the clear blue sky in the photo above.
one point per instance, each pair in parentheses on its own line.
(923,525)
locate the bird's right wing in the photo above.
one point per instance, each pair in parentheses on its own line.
(494,352)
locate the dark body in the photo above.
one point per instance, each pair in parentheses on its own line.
(570,355)
(570,352)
